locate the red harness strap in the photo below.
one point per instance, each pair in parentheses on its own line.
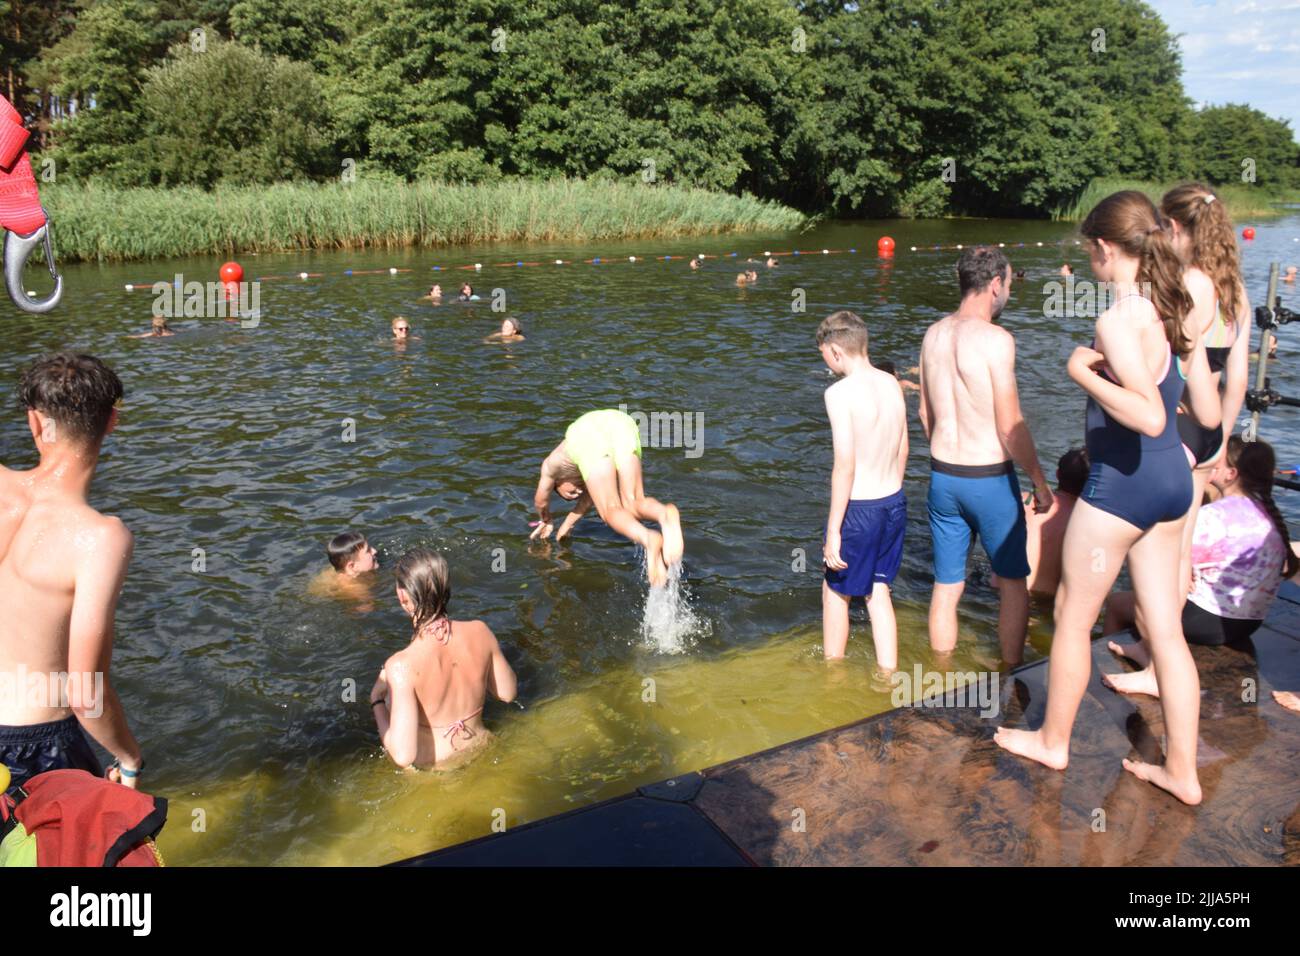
(20,203)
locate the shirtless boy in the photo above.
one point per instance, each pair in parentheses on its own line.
(599,462)
(62,565)
(868,513)
(511,331)
(352,559)
(970,410)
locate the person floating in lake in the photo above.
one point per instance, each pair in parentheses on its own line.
(1066,270)
(599,462)
(428,700)
(1138,490)
(1241,553)
(906,384)
(695,262)
(749,277)
(868,512)
(970,411)
(1289,276)
(511,331)
(62,567)
(1046,531)
(467,293)
(158,329)
(435,294)
(350,576)
(772,263)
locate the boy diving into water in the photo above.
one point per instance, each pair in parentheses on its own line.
(599,462)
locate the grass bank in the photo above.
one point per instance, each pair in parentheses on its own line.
(1243,201)
(94,222)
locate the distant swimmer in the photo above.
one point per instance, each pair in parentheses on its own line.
(1066,270)
(772,263)
(159,329)
(906,384)
(1290,274)
(1046,531)
(511,331)
(467,293)
(435,294)
(350,574)
(62,566)
(695,262)
(970,410)
(1020,274)
(428,700)
(868,512)
(742,278)
(599,462)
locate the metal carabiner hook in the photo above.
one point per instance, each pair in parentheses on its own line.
(17,250)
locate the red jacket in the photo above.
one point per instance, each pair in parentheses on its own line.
(83,820)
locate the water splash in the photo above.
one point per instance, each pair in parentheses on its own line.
(669,624)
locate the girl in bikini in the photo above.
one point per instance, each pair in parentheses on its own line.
(1138,491)
(428,700)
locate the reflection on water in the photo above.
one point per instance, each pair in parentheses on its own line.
(258,445)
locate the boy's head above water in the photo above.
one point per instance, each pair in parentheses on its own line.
(70,398)
(351,554)
(842,338)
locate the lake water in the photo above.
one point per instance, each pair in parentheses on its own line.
(232,441)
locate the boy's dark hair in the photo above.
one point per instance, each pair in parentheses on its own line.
(888,366)
(980,265)
(77,391)
(845,329)
(343,546)
(1072,471)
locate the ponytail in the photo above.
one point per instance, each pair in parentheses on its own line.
(1203,216)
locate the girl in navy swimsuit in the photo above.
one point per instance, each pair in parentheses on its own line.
(1138,491)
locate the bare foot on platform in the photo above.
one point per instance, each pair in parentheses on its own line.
(1288,699)
(1029,744)
(1188,791)
(674,546)
(1138,682)
(1137,653)
(655,569)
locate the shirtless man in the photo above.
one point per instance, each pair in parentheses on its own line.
(970,411)
(599,462)
(428,699)
(62,565)
(868,513)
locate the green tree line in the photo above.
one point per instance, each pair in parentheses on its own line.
(880,107)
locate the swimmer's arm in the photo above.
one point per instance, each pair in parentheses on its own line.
(1237,374)
(1135,402)
(398,722)
(501,678)
(99,580)
(1007,415)
(841,419)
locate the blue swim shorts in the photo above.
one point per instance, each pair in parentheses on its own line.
(871,544)
(978,499)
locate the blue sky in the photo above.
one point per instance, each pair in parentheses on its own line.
(1239,51)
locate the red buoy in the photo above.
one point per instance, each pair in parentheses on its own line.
(885,246)
(232,272)
(1248,233)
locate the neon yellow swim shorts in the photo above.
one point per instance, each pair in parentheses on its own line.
(607,433)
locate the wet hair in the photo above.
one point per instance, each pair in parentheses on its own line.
(845,329)
(1072,471)
(1255,463)
(77,391)
(1130,221)
(980,265)
(464,286)
(1214,246)
(159,322)
(424,576)
(888,366)
(401,318)
(519,329)
(343,546)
